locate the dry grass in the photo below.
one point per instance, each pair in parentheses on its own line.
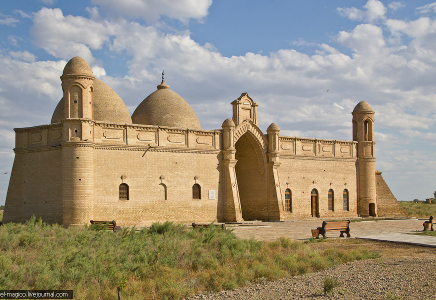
(420,209)
(166,261)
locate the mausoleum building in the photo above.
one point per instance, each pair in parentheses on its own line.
(95,161)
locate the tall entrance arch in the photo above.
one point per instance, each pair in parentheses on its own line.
(251,178)
(250,161)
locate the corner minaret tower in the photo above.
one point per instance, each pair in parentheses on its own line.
(77,148)
(363,134)
(78,87)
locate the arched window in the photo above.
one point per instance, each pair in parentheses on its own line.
(288,200)
(314,203)
(163,191)
(367,126)
(354,131)
(124,191)
(196,191)
(346,200)
(331,200)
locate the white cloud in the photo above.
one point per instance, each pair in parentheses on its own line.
(98,71)
(396,5)
(48,2)
(24,56)
(366,39)
(375,10)
(427,8)
(23,14)
(416,28)
(152,10)
(8,21)
(69,36)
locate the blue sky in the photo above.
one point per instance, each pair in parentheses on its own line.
(285,54)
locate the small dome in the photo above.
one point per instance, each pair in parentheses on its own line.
(228,123)
(107,106)
(165,108)
(77,66)
(363,106)
(273,127)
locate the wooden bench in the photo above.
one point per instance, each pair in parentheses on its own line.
(109,225)
(428,225)
(197,225)
(342,226)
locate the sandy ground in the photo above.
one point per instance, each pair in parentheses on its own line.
(402,272)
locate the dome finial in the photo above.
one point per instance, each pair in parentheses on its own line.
(163,85)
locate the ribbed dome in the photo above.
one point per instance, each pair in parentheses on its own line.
(165,108)
(362,106)
(107,106)
(77,66)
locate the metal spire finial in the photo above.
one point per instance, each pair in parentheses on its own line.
(163,85)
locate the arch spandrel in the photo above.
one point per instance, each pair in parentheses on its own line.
(257,139)
(249,126)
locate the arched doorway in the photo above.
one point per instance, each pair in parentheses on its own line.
(251,178)
(314,203)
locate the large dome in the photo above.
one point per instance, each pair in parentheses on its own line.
(107,105)
(77,66)
(165,108)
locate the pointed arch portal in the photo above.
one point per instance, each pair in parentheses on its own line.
(251,178)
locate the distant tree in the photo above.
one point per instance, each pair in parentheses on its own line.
(415,200)
(2,207)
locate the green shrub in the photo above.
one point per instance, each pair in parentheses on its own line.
(330,284)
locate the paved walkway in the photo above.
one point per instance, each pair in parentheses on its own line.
(420,240)
(400,231)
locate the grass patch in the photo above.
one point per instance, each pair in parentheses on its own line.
(420,209)
(166,261)
(429,233)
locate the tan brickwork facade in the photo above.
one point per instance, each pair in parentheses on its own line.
(92,162)
(387,204)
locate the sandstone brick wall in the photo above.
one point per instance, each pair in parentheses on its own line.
(387,204)
(301,175)
(145,172)
(35,187)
